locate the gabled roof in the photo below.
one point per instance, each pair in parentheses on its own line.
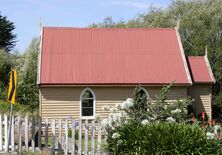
(200,69)
(104,56)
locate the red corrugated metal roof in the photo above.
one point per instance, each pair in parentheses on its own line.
(111,56)
(200,69)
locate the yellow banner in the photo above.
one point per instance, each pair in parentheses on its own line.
(12,86)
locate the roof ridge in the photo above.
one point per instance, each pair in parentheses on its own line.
(90,28)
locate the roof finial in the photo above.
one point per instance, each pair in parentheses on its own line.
(40,23)
(178,24)
(206,52)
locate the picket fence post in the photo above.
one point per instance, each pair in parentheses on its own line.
(73,136)
(6,131)
(46,132)
(80,137)
(99,140)
(26,133)
(40,133)
(66,137)
(13,134)
(19,134)
(53,137)
(92,138)
(86,136)
(33,133)
(60,136)
(1,148)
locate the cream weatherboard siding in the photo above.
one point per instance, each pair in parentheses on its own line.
(201,94)
(64,101)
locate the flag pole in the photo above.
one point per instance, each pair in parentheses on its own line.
(11,99)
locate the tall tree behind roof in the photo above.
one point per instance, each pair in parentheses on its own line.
(200,25)
(27,92)
(7,37)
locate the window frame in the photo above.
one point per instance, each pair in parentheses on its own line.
(94,104)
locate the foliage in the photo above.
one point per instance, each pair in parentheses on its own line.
(26,65)
(27,91)
(7,61)
(157,139)
(200,25)
(156,120)
(142,110)
(7,38)
(5,67)
(18,109)
(159,109)
(70,134)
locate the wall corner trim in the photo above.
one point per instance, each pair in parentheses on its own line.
(183,56)
(39,57)
(209,68)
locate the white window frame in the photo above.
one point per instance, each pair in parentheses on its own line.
(94,104)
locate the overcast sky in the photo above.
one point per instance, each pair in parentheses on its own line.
(27,14)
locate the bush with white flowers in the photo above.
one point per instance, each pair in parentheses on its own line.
(138,110)
(139,115)
(115,135)
(145,122)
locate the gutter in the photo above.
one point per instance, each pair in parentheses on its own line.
(208,66)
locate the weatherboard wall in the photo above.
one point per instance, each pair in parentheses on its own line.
(64,101)
(201,94)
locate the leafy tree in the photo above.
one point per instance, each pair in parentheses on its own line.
(7,42)
(7,61)
(7,38)
(27,92)
(5,66)
(107,23)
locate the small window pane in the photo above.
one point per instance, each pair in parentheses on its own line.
(87,103)
(87,111)
(87,94)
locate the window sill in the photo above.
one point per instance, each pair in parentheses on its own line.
(88,117)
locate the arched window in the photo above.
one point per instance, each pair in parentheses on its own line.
(143,94)
(87,103)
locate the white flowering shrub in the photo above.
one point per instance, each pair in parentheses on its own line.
(116,115)
(115,135)
(212,131)
(138,117)
(140,109)
(210,135)
(145,122)
(170,119)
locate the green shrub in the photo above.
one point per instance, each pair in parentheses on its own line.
(161,138)
(199,117)
(18,109)
(70,134)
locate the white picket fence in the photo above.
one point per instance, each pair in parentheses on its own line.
(54,135)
